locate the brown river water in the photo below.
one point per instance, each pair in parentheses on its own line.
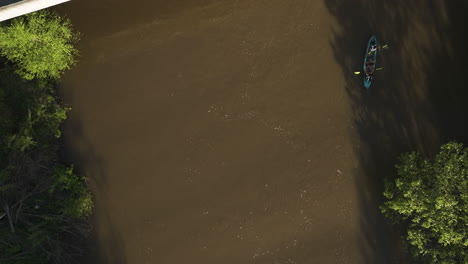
(235,131)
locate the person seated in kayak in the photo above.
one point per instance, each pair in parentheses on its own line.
(372,49)
(370,67)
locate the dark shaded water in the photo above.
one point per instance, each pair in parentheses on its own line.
(235,131)
(419,100)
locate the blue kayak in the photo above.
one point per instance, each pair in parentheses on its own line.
(369,61)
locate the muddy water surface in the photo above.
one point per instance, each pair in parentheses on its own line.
(225,132)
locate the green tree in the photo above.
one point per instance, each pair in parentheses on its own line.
(76,200)
(44,205)
(39,44)
(429,199)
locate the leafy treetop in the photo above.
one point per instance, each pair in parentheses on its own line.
(430,199)
(40,44)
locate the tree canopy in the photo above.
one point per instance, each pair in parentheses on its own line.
(44,204)
(429,199)
(40,44)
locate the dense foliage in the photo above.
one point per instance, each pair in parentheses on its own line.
(43,204)
(429,198)
(40,45)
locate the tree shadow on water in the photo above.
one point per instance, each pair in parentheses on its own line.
(415,103)
(105,244)
(108,248)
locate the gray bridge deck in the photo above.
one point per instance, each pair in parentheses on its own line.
(13,8)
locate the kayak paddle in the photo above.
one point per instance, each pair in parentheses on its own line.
(378,69)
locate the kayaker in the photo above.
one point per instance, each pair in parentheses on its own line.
(369,67)
(372,49)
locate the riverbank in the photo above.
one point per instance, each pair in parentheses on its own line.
(44,204)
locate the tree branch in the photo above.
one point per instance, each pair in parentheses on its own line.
(7,210)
